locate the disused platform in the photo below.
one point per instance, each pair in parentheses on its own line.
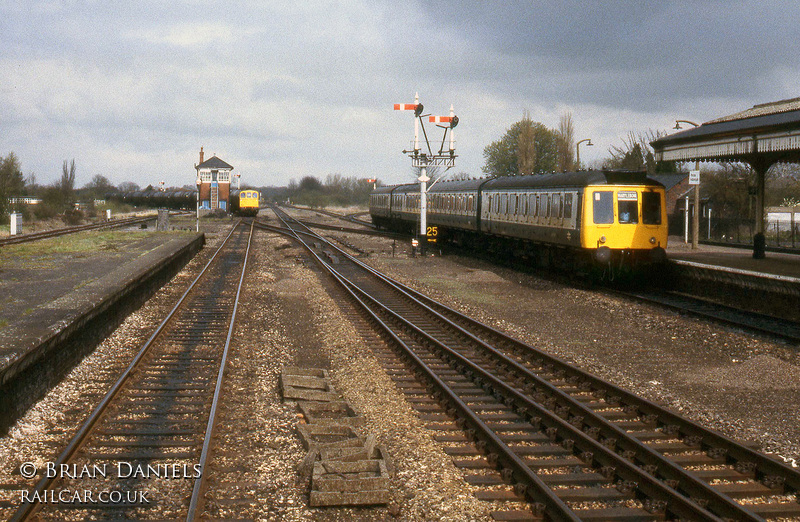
(52,288)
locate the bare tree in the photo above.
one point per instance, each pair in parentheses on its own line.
(636,153)
(130,186)
(565,143)
(526,145)
(68,183)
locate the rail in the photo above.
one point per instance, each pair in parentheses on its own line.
(188,353)
(526,385)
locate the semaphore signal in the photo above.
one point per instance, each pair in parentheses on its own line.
(422,160)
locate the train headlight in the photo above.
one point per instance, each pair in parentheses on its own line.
(602,239)
(652,241)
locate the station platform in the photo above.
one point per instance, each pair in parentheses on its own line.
(53,287)
(776,265)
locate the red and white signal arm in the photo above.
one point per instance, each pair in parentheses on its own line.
(405,106)
(452,120)
(371,180)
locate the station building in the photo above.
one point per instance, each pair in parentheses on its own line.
(213,182)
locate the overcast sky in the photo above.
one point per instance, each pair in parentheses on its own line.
(132,90)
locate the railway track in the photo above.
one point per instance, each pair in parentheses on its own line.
(25,238)
(776,327)
(141,453)
(352,218)
(784,329)
(544,439)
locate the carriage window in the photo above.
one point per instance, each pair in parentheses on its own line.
(628,206)
(557,206)
(567,206)
(470,202)
(504,204)
(547,205)
(603,207)
(651,208)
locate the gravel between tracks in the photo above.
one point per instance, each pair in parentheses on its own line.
(293,321)
(744,386)
(740,385)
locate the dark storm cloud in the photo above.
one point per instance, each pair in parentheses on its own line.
(642,55)
(291,90)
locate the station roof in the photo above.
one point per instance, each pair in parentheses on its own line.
(769,132)
(669,180)
(214,163)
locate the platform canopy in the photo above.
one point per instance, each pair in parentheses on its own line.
(769,132)
(761,136)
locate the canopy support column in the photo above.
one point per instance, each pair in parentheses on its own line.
(759,239)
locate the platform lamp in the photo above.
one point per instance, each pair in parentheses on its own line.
(696,215)
(578,150)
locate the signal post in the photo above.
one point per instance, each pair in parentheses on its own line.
(422,160)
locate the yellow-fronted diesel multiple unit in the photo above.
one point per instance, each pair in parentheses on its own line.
(601,217)
(245,203)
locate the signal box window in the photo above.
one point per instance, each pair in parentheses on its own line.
(603,207)
(628,206)
(651,208)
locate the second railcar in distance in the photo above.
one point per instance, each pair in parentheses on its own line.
(245,202)
(599,217)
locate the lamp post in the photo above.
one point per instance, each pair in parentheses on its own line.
(197,226)
(696,215)
(578,150)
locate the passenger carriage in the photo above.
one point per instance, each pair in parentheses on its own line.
(604,216)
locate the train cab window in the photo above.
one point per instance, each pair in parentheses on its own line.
(651,208)
(603,206)
(567,206)
(628,206)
